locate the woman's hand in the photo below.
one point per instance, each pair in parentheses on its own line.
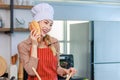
(34,36)
(72,71)
(64,72)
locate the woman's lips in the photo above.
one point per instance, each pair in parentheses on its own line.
(45,31)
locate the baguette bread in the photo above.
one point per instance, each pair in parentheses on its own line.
(35,25)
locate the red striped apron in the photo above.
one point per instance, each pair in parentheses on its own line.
(47,65)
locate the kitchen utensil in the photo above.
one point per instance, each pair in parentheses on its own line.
(68,77)
(14,59)
(13,72)
(3,66)
(36,73)
(20,20)
(20,71)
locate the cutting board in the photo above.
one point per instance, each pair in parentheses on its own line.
(3,66)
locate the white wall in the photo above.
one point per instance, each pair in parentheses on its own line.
(17,37)
(78,11)
(22,15)
(5,15)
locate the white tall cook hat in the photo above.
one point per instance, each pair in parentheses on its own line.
(42,11)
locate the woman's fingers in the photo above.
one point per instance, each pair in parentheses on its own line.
(72,71)
(62,71)
(34,36)
(65,72)
(33,33)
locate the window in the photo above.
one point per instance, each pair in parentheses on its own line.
(61,31)
(58,32)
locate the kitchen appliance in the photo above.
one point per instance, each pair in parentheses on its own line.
(66,61)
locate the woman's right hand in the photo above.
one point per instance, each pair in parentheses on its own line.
(34,36)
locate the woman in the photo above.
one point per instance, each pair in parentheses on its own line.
(42,55)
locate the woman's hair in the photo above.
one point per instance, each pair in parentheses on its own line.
(49,43)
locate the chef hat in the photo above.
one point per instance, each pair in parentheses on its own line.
(42,11)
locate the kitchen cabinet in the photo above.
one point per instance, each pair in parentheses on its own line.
(106,50)
(7,7)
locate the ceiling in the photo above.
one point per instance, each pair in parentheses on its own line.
(108,2)
(83,0)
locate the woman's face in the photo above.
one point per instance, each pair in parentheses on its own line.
(46,26)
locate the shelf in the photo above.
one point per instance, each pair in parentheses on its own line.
(21,29)
(7,6)
(4,29)
(22,7)
(4,6)
(15,29)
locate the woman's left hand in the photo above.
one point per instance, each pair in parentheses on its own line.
(72,71)
(64,72)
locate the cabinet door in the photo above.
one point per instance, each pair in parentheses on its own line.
(107,72)
(79,47)
(106,41)
(106,50)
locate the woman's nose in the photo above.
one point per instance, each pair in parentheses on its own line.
(47,26)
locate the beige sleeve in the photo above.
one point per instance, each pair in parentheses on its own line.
(58,52)
(60,70)
(57,47)
(28,62)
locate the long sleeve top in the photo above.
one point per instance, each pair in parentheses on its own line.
(29,61)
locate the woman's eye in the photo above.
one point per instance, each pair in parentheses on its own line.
(46,22)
